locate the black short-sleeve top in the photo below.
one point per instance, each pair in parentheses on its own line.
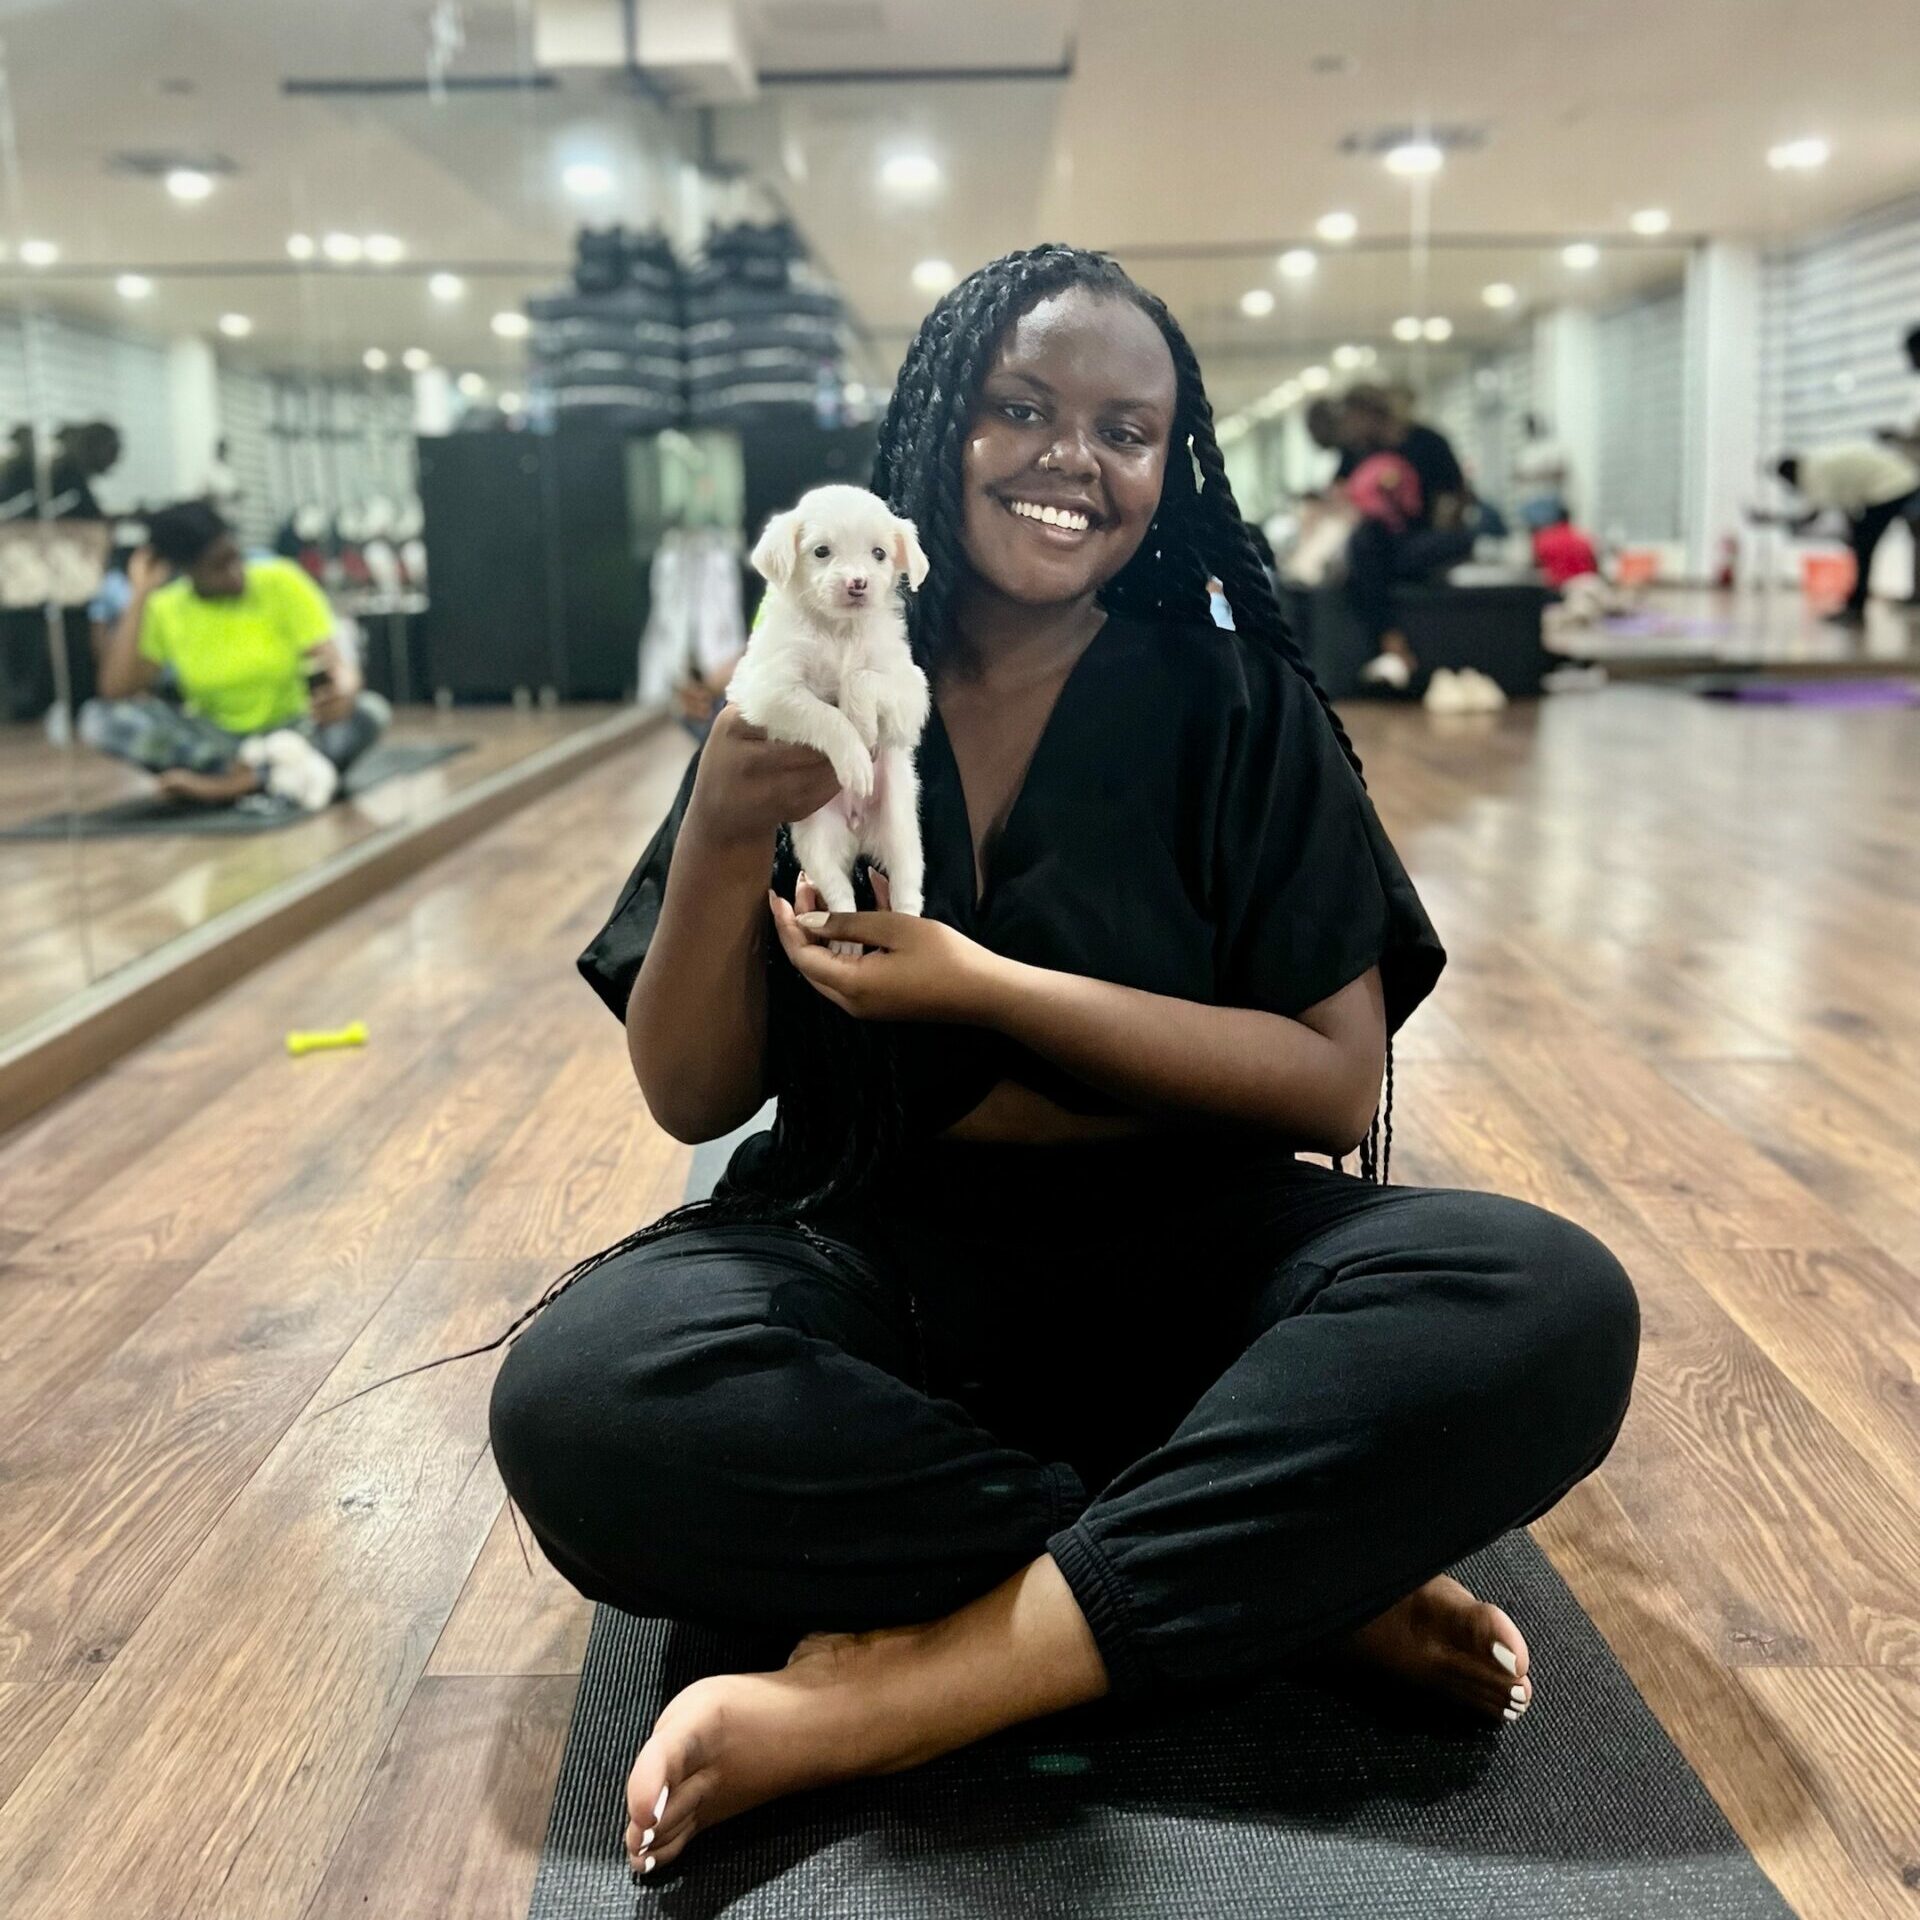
(1188,825)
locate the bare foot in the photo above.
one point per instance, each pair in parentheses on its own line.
(844,1706)
(1445,1642)
(182,783)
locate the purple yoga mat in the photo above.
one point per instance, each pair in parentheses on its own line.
(1820,693)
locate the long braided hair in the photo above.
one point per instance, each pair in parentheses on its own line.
(840,1122)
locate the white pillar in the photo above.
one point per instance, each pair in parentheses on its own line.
(1566,389)
(432,401)
(1721,441)
(193,410)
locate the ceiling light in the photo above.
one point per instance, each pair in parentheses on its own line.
(38,253)
(133,286)
(1651,220)
(1438,328)
(1413,159)
(300,246)
(236,326)
(1406,328)
(374,360)
(1315,379)
(1298,263)
(341,248)
(1798,156)
(510,325)
(586,178)
(189,183)
(1347,358)
(383,249)
(416,359)
(1497,294)
(471,385)
(910,173)
(1256,303)
(446,286)
(1581,256)
(933,276)
(1337,227)
(510,402)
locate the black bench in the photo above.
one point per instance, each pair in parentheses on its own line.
(1494,628)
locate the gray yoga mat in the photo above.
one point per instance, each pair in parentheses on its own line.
(1291,1803)
(154,813)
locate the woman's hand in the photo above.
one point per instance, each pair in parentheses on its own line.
(748,786)
(913,969)
(332,698)
(146,570)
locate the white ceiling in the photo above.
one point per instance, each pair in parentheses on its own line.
(1195,139)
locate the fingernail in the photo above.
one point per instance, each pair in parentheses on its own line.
(1510,1713)
(648,1868)
(810,919)
(646,1839)
(660,1806)
(1504,1655)
(1519,1694)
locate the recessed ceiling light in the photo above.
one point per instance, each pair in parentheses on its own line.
(446,286)
(189,183)
(471,385)
(342,248)
(383,249)
(416,359)
(236,326)
(933,276)
(510,402)
(1439,327)
(1413,159)
(1256,303)
(1497,294)
(1581,256)
(510,325)
(1337,227)
(1347,358)
(585,179)
(38,253)
(1406,328)
(1315,379)
(1298,263)
(909,173)
(133,286)
(1651,220)
(374,360)
(300,246)
(1798,156)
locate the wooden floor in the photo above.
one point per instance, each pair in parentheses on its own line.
(260,1664)
(71,914)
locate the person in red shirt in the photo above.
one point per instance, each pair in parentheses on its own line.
(1562,552)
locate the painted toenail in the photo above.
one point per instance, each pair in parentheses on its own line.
(660,1805)
(1504,1655)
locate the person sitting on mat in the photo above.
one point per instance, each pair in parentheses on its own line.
(1023,1364)
(271,702)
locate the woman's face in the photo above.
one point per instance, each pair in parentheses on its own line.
(221,571)
(1084,382)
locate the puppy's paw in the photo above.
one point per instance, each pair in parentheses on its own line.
(856,773)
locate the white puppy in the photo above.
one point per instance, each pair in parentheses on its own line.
(828,667)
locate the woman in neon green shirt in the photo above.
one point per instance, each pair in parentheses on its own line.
(270,704)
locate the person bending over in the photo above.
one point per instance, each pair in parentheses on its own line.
(269,701)
(1436,535)
(1022,1364)
(1872,486)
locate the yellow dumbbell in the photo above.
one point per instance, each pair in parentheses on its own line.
(353,1036)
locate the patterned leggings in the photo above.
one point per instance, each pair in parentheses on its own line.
(155,734)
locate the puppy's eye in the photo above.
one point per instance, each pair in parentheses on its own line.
(821,552)
(879,553)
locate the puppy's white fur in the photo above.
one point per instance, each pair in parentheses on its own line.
(828,667)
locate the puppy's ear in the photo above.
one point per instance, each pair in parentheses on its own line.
(778,553)
(907,555)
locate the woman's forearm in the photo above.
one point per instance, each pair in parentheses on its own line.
(1164,1055)
(119,673)
(697,1017)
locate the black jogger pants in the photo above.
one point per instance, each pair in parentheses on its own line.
(1245,1402)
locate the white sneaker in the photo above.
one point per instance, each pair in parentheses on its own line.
(295,768)
(1445,692)
(1386,670)
(1479,693)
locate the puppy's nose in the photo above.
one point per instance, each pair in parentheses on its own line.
(858,584)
